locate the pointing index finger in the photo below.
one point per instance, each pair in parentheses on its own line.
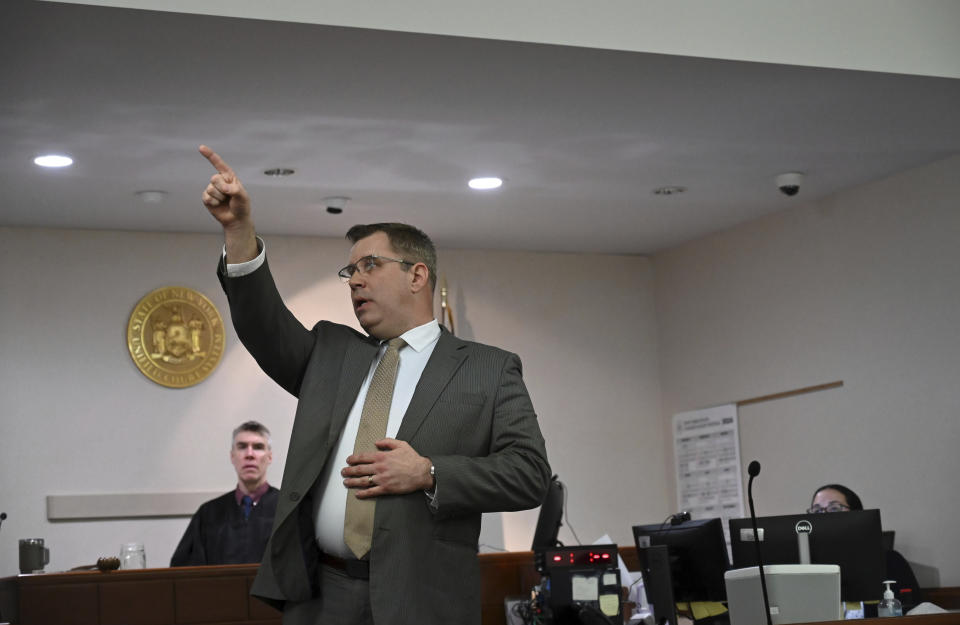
(218,163)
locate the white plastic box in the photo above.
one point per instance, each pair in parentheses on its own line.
(798,593)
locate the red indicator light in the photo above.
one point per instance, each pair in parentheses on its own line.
(606,556)
(557,558)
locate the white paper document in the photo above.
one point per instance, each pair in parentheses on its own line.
(584,588)
(707,451)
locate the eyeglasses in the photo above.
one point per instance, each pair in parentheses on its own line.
(833,506)
(367,264)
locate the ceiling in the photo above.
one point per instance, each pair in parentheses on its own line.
(400,121)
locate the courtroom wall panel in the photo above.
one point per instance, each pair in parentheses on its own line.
(859,287)
(80,419)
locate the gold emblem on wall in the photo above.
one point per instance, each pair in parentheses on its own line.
(175,336)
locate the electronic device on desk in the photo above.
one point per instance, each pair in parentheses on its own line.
(798,593)
(852,540)
(579,585)
(584,584)
(696,555)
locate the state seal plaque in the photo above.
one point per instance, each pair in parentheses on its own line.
(175,336)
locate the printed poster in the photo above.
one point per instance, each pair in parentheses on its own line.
(707,451)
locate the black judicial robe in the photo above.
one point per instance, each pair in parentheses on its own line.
(218,533)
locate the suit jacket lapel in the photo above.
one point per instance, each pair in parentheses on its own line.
(446,358)
(356,365)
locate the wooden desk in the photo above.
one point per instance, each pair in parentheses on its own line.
(502,575)
(199,595)
(928,619)
(220,594)
(209,594)
(946,598)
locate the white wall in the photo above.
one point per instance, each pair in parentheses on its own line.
(863,288)
(78,418)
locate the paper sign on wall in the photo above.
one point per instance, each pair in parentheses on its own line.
(707,450)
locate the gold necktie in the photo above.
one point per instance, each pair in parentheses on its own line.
(358,520)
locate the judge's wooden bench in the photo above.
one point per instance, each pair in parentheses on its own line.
(219,595)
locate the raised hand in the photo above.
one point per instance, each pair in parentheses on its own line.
(224,197)
(228,202)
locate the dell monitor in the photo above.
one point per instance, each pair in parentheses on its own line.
(697,555)
(852,540)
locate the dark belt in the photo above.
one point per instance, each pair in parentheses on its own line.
(358,569)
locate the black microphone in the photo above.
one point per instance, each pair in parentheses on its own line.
(754,470)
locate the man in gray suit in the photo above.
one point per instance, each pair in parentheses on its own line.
(461,435)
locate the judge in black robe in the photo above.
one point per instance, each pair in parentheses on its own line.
(234,528)
(219,534)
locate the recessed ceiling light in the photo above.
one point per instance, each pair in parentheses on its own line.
(485,184)
(53,160)
(279,172)
(151,197)
(669,190)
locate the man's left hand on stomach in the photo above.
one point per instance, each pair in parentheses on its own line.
(395,469)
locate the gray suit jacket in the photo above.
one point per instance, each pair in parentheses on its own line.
(470,414)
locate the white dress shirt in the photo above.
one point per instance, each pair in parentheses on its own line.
(329,493)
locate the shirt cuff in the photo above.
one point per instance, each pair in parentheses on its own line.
(237,270)
(432,499)
(432,493)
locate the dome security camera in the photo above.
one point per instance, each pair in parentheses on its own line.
(789,183)
(336,204)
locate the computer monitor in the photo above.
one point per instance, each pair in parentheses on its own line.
(549,521)
(852,540)
(657,583)
(888,538)
(697,554)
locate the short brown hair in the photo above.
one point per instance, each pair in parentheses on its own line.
(411,243)
(251,426)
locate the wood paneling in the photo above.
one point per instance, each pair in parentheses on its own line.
(136,602)
(220,594)
(188,596)
(64,604)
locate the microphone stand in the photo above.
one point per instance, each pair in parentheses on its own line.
(3,517)
(754,471)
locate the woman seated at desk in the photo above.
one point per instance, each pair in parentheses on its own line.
(839,498)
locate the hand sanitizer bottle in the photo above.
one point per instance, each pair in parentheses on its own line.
(889,605)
